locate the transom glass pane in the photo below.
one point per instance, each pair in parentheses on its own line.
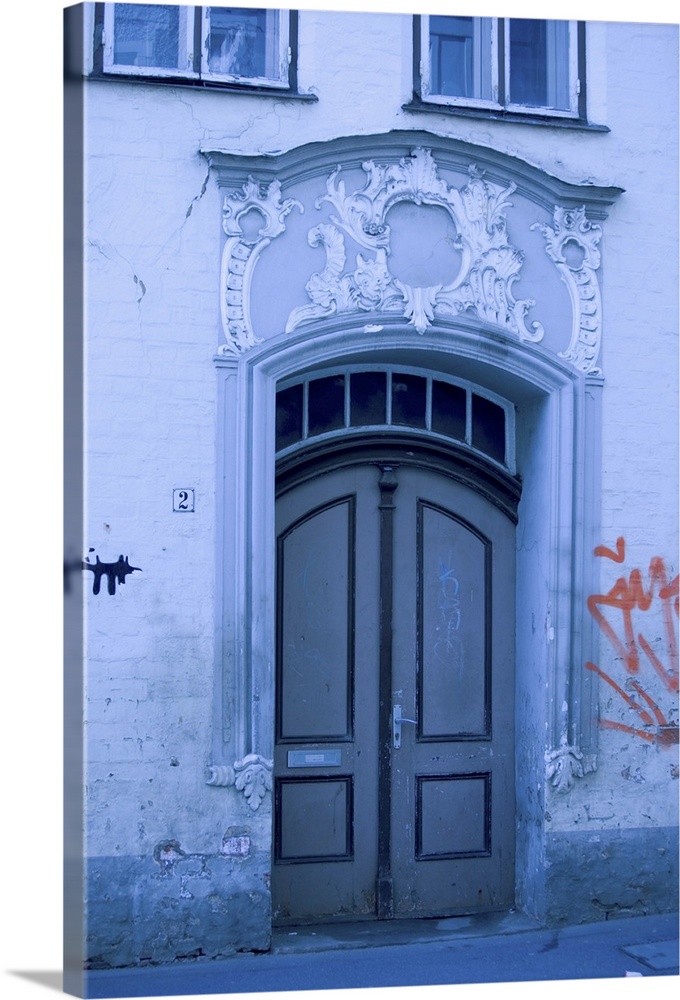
(448,410)
(409,396)
(488,427)
(368,397)
(460,57)
(289,403)
(147,35)
(326,406)
(539,63)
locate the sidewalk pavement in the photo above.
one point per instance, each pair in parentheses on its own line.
(489,948)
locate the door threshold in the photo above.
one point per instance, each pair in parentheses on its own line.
(349,934)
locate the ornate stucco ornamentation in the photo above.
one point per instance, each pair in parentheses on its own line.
(488,263)
(241,252)
(252,775)
(564,765)
(571,242)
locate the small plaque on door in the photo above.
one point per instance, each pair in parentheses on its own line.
(314,758)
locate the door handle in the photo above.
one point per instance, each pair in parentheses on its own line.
(397,719)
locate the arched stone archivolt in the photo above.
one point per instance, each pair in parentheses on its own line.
(472,326)
(554,403)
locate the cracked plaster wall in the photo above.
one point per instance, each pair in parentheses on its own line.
(636,782)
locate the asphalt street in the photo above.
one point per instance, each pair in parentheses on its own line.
(505,948)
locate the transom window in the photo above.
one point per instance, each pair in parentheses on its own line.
(241,45)
(357,399)
(510,64)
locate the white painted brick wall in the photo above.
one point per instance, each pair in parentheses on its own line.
(152,387)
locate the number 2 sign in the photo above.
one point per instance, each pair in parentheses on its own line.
(183,501)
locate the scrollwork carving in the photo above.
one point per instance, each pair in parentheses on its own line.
(564,765)
(252,775)
(571,242)
(241,252)
(489,264)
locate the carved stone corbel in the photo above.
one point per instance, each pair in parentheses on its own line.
(571,242)
(565,764)
(252,775)
(241,253)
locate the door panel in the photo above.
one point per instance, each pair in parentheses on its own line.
(316,819)
(449,780)
(454,624)
(316,624)
(325,762)
(453,668)
(452,816)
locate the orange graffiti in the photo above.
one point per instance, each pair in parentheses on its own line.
(606,553)
(627,596)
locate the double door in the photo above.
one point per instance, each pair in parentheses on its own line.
(394,756)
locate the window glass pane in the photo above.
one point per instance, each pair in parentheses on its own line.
(146,35)
(243,42)
(408,400)
(460,57)
(326,406)
(448,410)
(288,416)
(539,63)
(368,396)
(488,428)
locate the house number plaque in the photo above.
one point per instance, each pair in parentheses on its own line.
(183,501)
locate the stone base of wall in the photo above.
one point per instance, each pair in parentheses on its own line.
(144,910)
(604,874)
(174,906)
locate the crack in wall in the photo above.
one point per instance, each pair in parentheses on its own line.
(264,145)
(197,197)
(177,233)
(111,254)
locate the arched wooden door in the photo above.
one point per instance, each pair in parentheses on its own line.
(394,758)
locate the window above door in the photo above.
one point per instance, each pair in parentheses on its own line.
(513,67)
(351,400)
(237,47)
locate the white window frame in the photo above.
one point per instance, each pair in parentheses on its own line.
(426,69)
(280,58)
(573,83)
(185,55)
(278,20)
(500,46)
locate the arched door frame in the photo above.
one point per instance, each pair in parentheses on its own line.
(558,430)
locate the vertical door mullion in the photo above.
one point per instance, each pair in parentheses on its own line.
(384,883)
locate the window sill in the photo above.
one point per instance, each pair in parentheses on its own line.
(519,118)
(283,93)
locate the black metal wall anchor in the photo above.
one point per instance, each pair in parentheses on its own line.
(114,572)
